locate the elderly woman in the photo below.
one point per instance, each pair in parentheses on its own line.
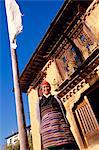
(54,127)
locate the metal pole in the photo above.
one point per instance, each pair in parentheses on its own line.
(19,104)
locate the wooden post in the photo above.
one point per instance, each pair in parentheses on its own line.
(19,104)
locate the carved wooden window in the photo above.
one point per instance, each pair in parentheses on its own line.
(87,121)
(67,59)
(86,41)
(70,60)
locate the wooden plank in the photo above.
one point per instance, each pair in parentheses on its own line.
(83,119)
(89,118)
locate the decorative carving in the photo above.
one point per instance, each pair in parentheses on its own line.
(74,90)
(69,57)
(90,9)
(83,83)
(92,77)
(47,65)
(55,83)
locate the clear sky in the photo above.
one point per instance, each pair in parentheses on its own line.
(37,17)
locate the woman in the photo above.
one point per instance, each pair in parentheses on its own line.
(54,127)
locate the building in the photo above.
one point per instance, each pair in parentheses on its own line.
(68,58)
(14,138)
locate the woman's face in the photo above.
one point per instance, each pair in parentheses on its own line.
(46,89)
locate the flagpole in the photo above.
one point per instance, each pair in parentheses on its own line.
(14,21)
(19,104)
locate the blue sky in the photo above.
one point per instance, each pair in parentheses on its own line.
(37,17)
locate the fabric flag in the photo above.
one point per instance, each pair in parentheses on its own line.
(14,21)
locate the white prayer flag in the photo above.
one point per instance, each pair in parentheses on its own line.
(14,20)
